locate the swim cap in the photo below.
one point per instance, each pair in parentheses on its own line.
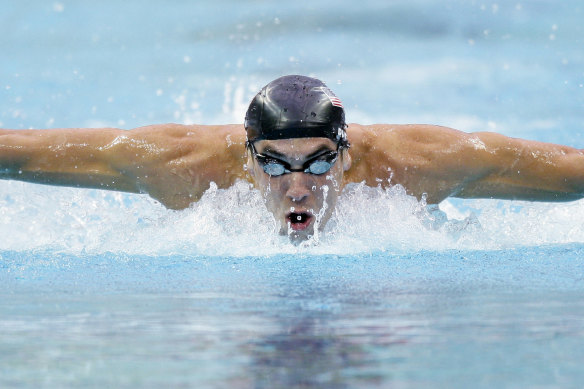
(296,107)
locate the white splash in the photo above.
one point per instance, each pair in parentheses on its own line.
(235,223)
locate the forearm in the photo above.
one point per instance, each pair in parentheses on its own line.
(529,170)
(71,157)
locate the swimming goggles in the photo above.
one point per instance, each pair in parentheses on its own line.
(275,167)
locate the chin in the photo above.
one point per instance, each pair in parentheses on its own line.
(296,236)
(299,238)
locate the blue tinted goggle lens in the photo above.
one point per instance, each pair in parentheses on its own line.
(320,167)
(317,167)
(274,169)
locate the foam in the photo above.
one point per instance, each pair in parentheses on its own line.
(235,223)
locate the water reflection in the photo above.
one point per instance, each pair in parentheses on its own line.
(304,354)
(302,321)
(315,343)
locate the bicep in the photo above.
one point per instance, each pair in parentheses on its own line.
(428,161)
(439,162)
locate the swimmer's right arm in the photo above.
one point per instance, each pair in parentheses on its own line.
(70,157)
(172,163)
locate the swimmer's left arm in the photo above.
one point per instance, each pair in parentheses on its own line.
(522,170)
(438,162)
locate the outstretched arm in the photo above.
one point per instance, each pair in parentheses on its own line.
(526,170)
(173,163)
(71,157)
(439,162)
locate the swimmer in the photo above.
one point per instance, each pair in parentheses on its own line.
(296,148)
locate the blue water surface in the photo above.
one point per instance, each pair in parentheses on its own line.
(103,289)
(462,318)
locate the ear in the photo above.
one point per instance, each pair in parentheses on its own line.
(346,158)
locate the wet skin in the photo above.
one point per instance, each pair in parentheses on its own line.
(300,202)
(175,164)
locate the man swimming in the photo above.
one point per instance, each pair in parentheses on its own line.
(298,151)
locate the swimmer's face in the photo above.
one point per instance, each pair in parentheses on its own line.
(300,201)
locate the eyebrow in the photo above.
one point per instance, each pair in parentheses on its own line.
(269,152)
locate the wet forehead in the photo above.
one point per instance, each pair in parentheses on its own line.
(298,148)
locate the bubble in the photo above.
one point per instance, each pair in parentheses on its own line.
(58,7)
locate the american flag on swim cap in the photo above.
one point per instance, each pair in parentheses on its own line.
(333,99)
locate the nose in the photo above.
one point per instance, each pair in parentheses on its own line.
(298,189)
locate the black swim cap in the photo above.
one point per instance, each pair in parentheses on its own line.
(296,107)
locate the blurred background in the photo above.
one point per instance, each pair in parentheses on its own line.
(511,66)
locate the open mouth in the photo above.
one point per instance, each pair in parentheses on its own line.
(299,220)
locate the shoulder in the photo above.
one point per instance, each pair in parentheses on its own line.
(176,163)
(417,156)
(222,142)
(373,134)
(403,142)
(196,141)
(233,133)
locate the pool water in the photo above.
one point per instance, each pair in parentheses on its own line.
(456,318)
(104,289)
